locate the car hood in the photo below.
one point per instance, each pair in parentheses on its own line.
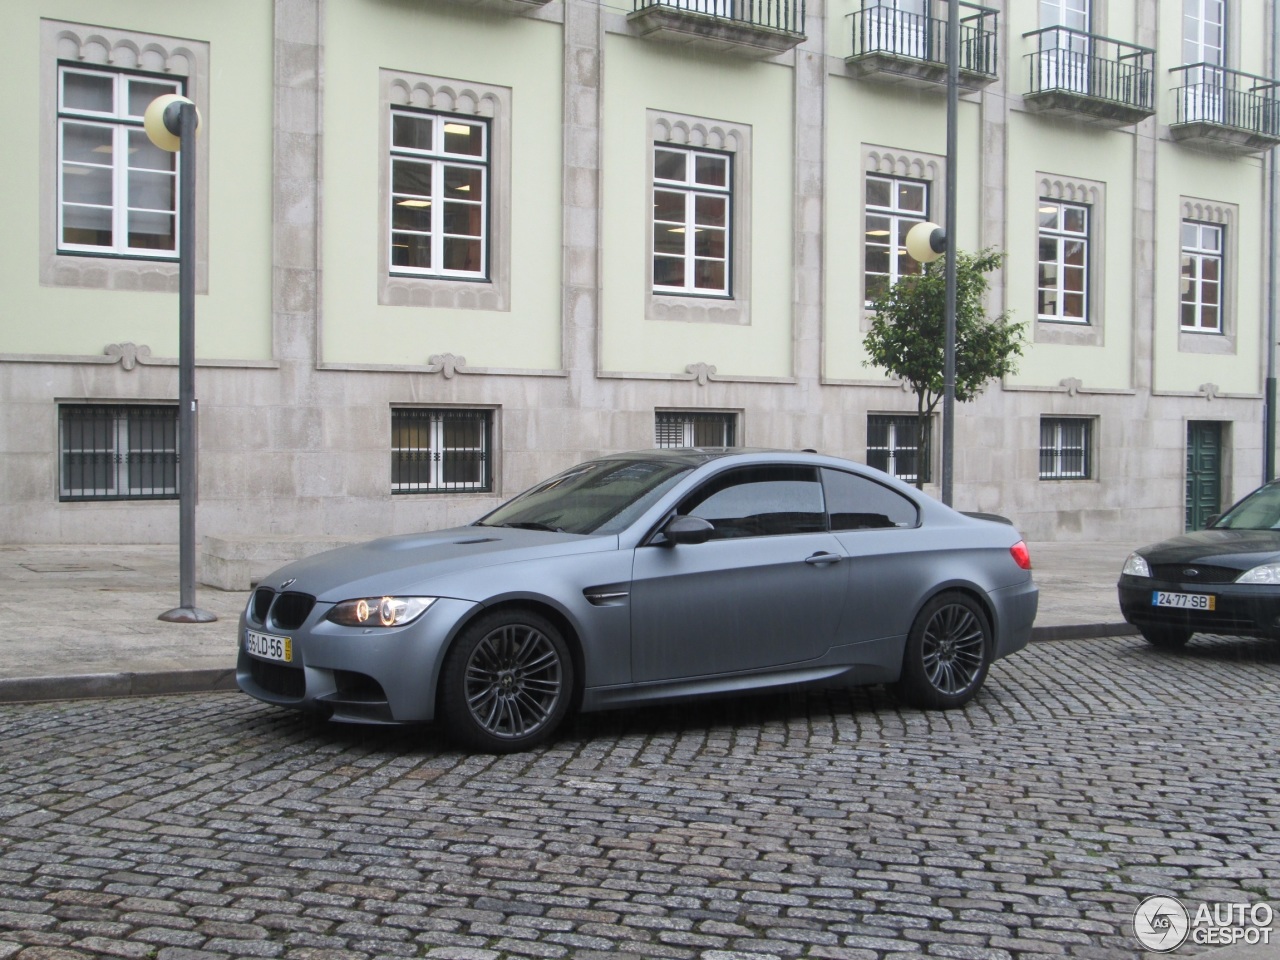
(406,565)
(1238,549)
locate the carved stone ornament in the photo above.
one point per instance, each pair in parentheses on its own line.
(128,355)
(1072,385)
(1210,390)
(447,364)
(702,372)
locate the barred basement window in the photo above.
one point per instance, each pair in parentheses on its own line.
(679,429)
(891,447)
(114,452)
(1064,448)
(441,451)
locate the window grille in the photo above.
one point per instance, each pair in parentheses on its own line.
(679,429)
(1064,448)
(891,447)
(441,451)
(115,452)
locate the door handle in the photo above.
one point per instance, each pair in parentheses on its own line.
(822,557)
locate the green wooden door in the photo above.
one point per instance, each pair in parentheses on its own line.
(1204,472)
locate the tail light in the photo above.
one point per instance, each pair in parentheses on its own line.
(1021,555)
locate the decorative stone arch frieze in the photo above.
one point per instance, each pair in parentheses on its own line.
(1093,194)
(1227,216)
(108,48)
(463,98)
(727,137)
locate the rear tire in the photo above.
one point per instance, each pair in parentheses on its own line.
(507,682)
(947,655)
(1166,638)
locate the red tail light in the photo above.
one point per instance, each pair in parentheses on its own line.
(1021,555)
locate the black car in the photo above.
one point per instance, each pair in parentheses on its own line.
(1225,579)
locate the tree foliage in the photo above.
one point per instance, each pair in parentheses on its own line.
(908,334)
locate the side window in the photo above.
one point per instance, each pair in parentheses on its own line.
(856,503)
(760,502)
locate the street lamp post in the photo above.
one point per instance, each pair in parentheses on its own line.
(171,123)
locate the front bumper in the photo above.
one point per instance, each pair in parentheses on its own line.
(356,675)
(1249,610)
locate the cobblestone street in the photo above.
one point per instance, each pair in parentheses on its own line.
(1088,776)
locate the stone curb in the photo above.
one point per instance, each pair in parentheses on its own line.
(1083,631)
(36,689)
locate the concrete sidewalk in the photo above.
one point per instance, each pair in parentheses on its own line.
(78,621)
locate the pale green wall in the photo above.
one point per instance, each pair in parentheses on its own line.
(642,75)
(1043,146)
(862,112)
(234,320)
(437,39)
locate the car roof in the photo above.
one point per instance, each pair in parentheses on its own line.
(696,456)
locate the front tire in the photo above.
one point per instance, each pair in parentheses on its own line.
(1166,638)
(947,655)
(507,682)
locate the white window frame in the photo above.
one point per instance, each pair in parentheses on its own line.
(436,452)
(901,438)
(122,422)
(1058,443)
(124,130)
(901,218)
(1197,255)
(1063,237)
(1226,216)
(679,428)
(688,223)
(440,161)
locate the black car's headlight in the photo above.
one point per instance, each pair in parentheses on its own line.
(1136,566)
(1267,573)
(379,611)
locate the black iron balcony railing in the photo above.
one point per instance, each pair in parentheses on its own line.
(1214,96)
(786,16)
(880,29)
(1088,65)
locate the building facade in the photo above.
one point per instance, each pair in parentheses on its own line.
(446,248)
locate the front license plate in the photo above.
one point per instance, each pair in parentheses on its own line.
(1184,601)
(268,647)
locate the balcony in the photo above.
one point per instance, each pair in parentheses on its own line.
(513,7)
(1226,109)
(899,46)
(1086,77)
(757,29)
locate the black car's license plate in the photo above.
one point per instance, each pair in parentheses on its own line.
(1184,601)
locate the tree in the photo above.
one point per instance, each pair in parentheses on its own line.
(908,335)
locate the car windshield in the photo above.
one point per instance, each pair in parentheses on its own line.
(1258,511)
(602,496)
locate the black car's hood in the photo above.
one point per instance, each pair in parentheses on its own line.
(1238,549)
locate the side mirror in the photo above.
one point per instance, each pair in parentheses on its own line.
(688,530)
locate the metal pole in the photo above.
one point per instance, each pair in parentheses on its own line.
(949,350)
(186,611)
(1273,233)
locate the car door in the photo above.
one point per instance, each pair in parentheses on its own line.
(767,589)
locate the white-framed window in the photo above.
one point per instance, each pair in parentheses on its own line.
(1202,274)
(692,203)
(683,428)
(117,452)
(439,195)
(441,450)
(117,191)
(893,205)
(893,448)
(1065,448)
(1204,31)
(1063,285)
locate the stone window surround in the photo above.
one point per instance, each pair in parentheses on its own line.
(464,98)
(83,45)
(928,168)
(733,138)
(1093,194)
(1225,215)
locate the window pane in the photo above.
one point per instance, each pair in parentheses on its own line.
(911,197)
(150,230)
(668,272)
(669,165)
(1073,306)
(709,275)
(1074,219)
(152,191)
(411,177)
(710,211)
(879,192)
(81,184)
(463,138)
(410,250)
(877,259)
(86,226)
(411,215)
(88,91)
(87,143)
(462,255)
(708,242)
(142,92)
(668,240)
(713,171)
(463,183)
(668,206)
(145,155)
(1073,253)
(413,133)
(463,219)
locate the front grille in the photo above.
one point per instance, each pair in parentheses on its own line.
(278,680)
(1179,573)
(290,611)
(262,598)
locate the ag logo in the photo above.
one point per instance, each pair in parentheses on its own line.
(1161,924)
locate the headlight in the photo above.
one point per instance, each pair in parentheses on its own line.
(1267,573)
(1136,566)
(379,611)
